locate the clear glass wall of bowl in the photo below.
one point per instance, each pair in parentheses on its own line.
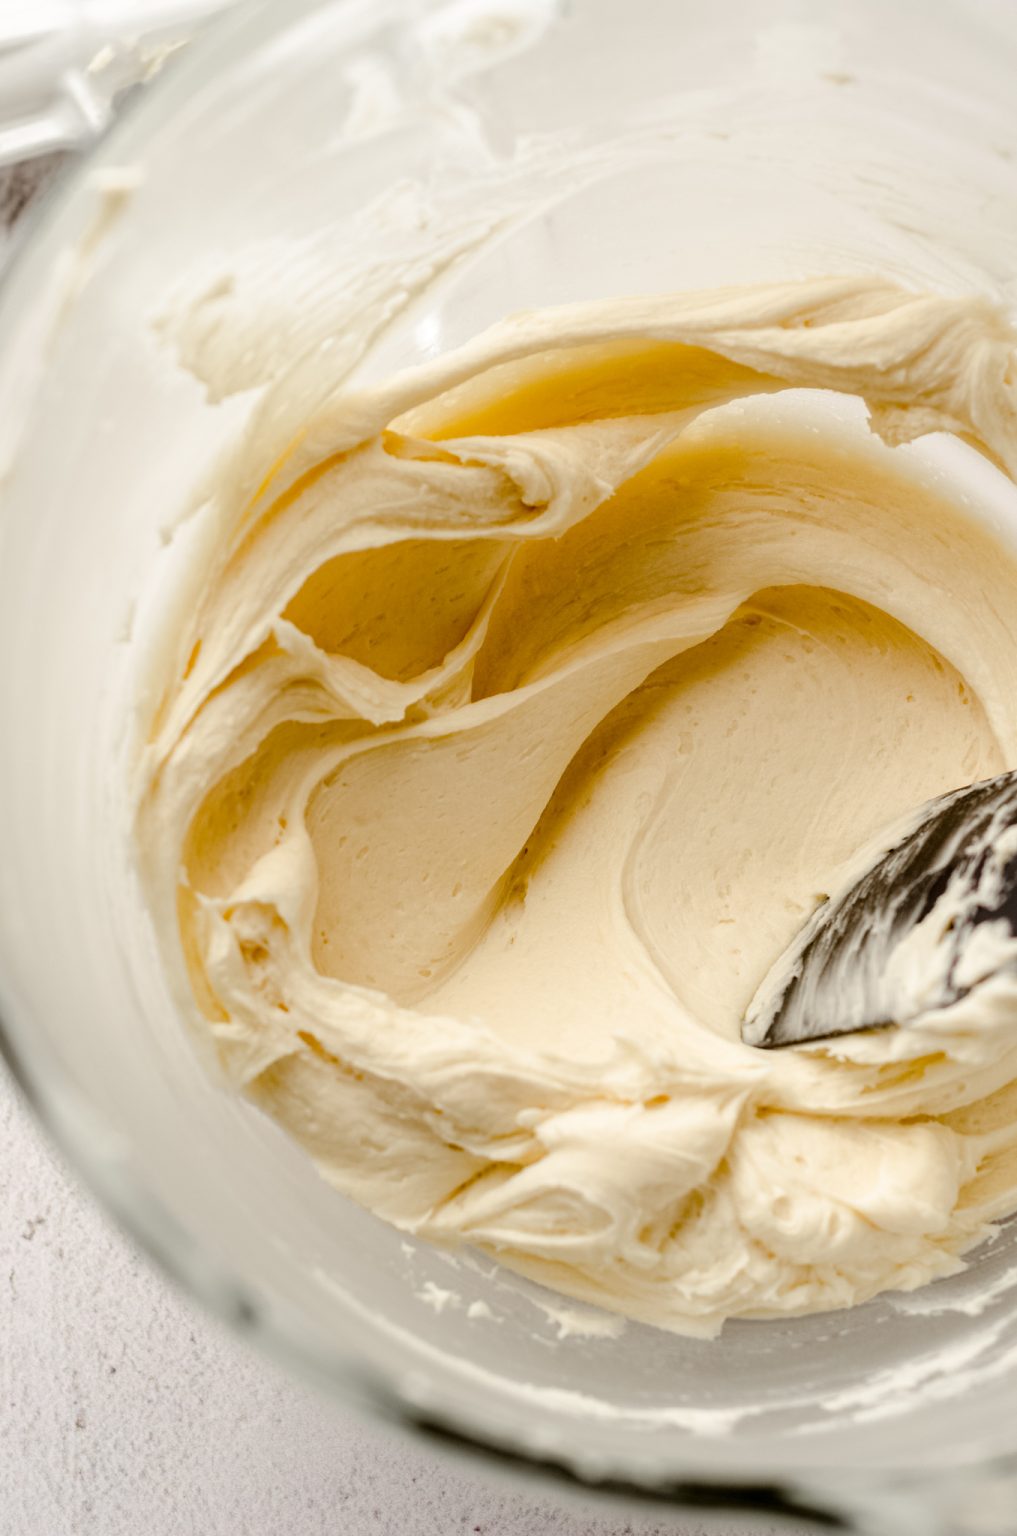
(419,171)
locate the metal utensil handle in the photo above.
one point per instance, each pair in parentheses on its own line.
(65,64)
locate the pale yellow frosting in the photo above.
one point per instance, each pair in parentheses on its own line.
(525,707)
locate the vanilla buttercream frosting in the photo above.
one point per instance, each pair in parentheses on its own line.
(523,708)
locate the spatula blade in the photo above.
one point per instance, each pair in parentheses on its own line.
(926,922)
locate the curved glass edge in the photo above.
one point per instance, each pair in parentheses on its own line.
(43,1083)
(358,1386)
(358,1383)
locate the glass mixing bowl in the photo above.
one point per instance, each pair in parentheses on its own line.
(472,158)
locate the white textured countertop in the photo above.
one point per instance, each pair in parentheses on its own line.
(126,1412)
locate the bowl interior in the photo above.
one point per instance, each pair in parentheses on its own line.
(471,170)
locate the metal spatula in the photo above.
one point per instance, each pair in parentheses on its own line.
(65,65)
(925,924)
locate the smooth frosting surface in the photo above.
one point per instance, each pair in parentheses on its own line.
(520,712)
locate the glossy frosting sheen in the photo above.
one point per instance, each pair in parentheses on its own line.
(522,710)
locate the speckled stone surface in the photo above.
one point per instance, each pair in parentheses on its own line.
(126,1412)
